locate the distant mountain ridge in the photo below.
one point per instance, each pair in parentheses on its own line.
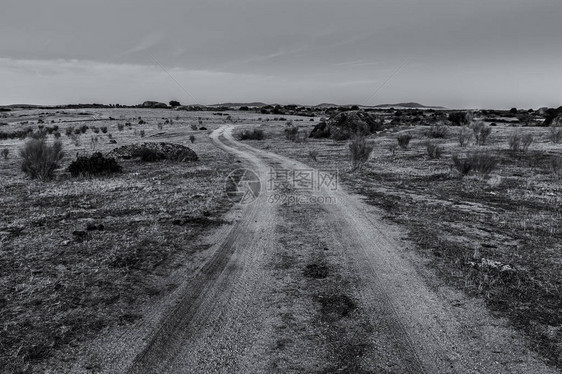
(408,105)
(256,103)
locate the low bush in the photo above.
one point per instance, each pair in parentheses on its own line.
(518,142)
(404,140)
(192,138)
(255,134)
(438,131)
(555,135)
(313,154)
(40,159)
(434,151)
(94,165)
(5,153)
(480,162)
(19,134)
(104,129)
(514,141)
(120,126)
(464,136)
(481,132)
(360,151)
(556,165)
(291,132)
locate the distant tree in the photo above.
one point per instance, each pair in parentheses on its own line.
(513,111)
(174,103)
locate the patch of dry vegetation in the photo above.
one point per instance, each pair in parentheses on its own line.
(495,233)
(82,255)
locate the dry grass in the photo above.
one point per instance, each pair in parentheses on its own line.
(511,216)
(79,256)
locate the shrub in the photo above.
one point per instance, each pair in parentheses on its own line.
(462,165)
(556,165)
(174,103)
(95,130)
(555,135)
(464,136)
(75,137)
(434,151)
(104,129)
(94,142)
(5,153)
(404,140)
(93,165)
(514,141)
(141,133)
(120,126)
(526,141)
(313,154)
(192,138)
(57,135)
(83,129)
(255,134)
(193,126)
(360,151)
(291,131)
(480,162)
(518,142)
(41,159)
(460,118)
(20,134)
(438,131)
(481,132)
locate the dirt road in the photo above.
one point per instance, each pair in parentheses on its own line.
(318,286)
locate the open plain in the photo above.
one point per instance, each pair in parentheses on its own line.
(401,265)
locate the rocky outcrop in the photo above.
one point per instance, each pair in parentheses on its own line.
(342,125)
(167,151)
(153,104)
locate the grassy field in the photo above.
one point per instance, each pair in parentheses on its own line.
(496,236)
(80,255)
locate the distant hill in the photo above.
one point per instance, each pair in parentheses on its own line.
(408,105)
(326,105)
(256,104)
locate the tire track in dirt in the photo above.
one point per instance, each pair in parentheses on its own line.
(427,332)
(243,314)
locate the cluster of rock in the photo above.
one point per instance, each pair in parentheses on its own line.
(168,151)
(343,125)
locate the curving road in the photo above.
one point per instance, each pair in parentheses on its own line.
(315,288)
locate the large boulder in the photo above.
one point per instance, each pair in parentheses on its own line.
(153,104)
(167,151)
(551,115)
(342,125)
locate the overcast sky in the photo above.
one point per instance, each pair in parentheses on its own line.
(454,53)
